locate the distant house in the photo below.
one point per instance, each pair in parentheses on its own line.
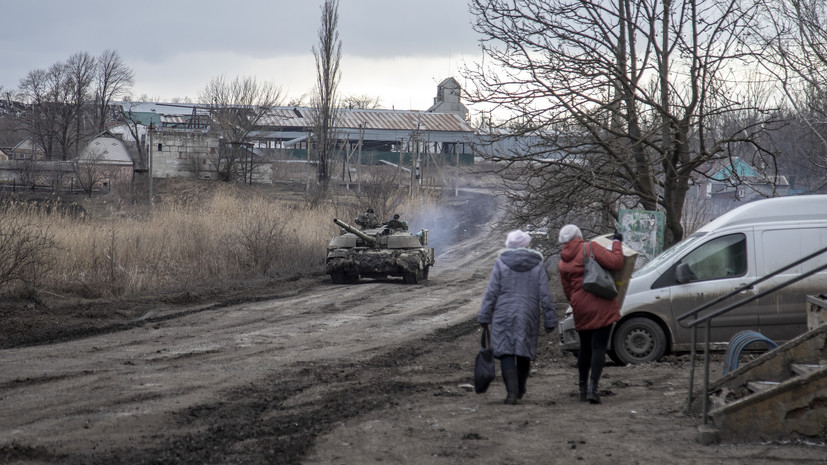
(3,156)
(744,181)
(27,150)
(108,149)
(736,181)
(107,154)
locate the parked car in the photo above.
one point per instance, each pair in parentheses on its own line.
(737,248)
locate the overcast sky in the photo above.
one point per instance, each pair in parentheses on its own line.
(398,50)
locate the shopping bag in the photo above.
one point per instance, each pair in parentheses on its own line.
(596,279)
(484,366)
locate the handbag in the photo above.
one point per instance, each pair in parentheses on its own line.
(484,366)
(596,279)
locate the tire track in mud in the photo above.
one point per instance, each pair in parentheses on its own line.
(278,420)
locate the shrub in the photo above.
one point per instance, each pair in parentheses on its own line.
(24,242)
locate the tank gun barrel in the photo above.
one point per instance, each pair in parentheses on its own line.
(351,229)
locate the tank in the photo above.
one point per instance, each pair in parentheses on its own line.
(380,252)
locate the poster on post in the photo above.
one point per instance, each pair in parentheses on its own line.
(642,231)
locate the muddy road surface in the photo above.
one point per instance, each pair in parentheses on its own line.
(374,372)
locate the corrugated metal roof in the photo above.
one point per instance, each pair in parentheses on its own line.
(281,117)
(164,108)
(372,119)
(174,119)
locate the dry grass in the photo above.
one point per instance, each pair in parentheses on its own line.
(227,236)
(200,234)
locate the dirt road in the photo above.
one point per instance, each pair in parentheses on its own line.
(323,373)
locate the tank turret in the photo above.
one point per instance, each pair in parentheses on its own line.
(368,239)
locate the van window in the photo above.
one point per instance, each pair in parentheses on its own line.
(666,255)
(722,257)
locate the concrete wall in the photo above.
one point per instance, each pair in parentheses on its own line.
(183,154)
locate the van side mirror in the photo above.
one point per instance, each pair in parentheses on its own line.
(683,274)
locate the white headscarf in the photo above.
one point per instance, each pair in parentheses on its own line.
(569,232)
(517,239)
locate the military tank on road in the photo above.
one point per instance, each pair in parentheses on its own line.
(386,250)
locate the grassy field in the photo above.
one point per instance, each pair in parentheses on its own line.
(198,233)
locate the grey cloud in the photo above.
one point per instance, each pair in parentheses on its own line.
(44,32)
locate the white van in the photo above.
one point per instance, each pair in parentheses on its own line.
(737,248)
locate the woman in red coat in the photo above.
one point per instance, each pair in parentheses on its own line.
(593,315)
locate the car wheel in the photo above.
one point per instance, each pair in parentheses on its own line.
(638,340)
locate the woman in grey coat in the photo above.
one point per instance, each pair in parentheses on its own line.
(516,292)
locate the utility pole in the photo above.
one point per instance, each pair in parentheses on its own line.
(411,141)
(415,170)
(150,165)
(346,146)
(399,161)
(359,157)
(456,171)
(307,180)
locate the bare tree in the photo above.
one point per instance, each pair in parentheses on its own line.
(801,144)
(236,107)
(137,127)
(41,91)
(324,101)
(57,100)
(64,108)
(80,70)
(795,32)
(619,103)
(90,171)
(54,173)
(299,101)
(27,173)
(113,79)
(381,192)
(12,129)
(364,102)
(23,247)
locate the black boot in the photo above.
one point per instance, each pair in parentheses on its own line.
(522,377)
(583,392)
(511,386)
(592,395)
